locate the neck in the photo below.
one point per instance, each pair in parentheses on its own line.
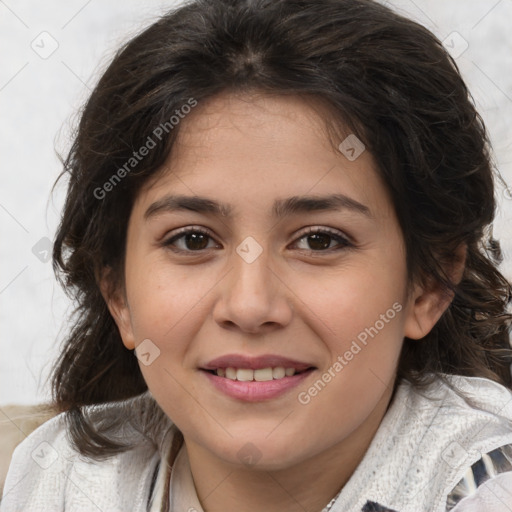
(308,485)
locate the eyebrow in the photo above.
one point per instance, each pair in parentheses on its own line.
(281,207)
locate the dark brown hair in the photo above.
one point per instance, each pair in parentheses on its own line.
(384,77)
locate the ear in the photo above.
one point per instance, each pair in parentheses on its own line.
(118,306)
(428,301)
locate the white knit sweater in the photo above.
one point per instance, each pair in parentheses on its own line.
(426,444)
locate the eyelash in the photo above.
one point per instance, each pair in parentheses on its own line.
(342,240)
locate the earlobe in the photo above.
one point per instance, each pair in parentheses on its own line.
(429,301)
(118,307)
(121,313)
(426,308)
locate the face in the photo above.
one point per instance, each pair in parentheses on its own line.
(318,286)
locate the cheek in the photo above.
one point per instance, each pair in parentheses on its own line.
(162,304)
(355,300)
(361,369)
(162,296)
(362,326)
(168,305)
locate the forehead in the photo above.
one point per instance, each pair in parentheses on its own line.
(260,148)
(263,121)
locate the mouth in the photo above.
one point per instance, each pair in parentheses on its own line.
(257,375)
(255,378)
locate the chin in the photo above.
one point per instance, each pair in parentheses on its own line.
(259,454)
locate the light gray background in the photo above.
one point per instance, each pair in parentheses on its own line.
(40,96)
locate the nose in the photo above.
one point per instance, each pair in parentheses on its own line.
(253,297)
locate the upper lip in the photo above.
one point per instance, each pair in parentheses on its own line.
(254,363)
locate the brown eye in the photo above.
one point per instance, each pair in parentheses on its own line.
(320,240)
(191,240)
(196,241)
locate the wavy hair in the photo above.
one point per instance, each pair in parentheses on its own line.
(386,78)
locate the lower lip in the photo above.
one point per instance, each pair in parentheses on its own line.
(254,391)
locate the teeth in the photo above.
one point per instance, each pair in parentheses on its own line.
(263,374)
(230,373)
(244,375)
(278,373)
(260,375)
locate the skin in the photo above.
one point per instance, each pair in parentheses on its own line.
(248,151)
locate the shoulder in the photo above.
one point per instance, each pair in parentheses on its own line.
(47,472)
(472,410)
(472,425)
(36,467)
(430,437)
(471,395)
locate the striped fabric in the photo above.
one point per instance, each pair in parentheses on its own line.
(490,465)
